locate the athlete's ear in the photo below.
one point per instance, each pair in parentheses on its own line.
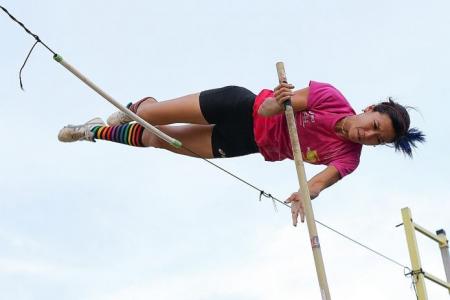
(369,108)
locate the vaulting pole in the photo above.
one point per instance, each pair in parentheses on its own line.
(304,190)
(92,85)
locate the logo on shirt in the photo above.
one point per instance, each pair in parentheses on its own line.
(307,117)
(311,156)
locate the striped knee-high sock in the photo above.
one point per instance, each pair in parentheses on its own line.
(129,134)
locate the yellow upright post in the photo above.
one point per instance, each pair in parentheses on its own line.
(320,268)
(417,274)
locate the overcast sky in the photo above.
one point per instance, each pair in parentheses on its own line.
(110,222)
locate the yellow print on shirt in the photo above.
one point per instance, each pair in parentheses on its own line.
(311,156)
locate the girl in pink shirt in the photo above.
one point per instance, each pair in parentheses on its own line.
(232,121)
(320,143)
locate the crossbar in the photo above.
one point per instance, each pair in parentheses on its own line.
(175,143)
(437,280)
(440,239)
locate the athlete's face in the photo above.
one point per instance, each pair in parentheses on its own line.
(370,128)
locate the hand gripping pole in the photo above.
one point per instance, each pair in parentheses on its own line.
(146,125)
(320,268)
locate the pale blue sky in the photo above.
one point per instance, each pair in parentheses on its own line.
(109,222)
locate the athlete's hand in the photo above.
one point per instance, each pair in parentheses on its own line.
(283,92)
(297,207)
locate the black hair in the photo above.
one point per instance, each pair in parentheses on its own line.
(405,138)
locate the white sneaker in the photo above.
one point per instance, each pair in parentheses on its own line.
(73,133)
(120,118)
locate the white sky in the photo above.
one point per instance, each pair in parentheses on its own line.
(110,222)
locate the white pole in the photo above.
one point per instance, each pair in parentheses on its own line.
(145,124)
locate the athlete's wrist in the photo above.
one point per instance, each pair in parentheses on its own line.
(270,107)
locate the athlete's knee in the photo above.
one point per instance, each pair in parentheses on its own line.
(140,113)
(140,108)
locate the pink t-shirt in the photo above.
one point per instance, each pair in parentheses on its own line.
(318,140)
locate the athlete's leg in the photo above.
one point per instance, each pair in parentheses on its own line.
(184,109)
(195,137)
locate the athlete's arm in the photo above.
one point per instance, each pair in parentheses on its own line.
(274,105)
(318,183)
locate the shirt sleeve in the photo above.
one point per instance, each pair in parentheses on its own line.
(324,96)
(344,168)
(318,93)
(347,163)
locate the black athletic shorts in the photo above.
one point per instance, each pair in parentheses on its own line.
(231,110)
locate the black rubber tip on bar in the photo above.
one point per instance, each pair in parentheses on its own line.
(440,231)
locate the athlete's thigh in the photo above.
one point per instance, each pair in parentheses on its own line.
(196,139)
(184,109)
